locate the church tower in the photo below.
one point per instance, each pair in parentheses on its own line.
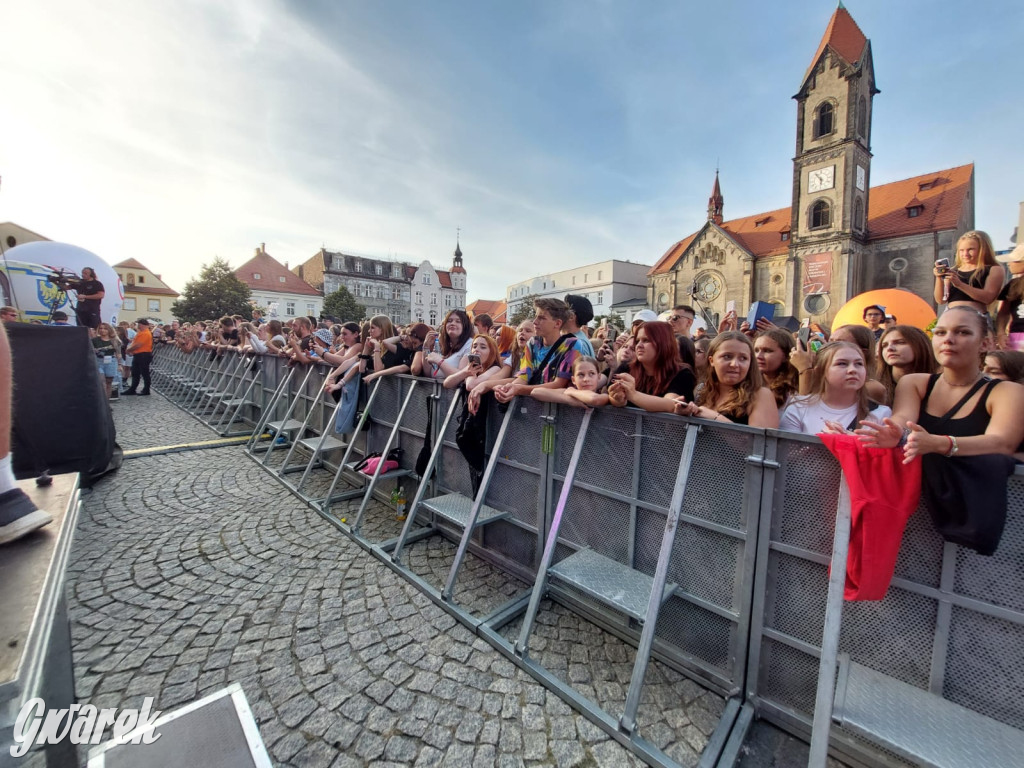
(716,203)
(458,272)
(831,170)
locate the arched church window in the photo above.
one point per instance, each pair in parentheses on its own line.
(821,214)
(824,119)
(862,118)
(858,214)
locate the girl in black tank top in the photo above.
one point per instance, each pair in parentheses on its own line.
(992,425)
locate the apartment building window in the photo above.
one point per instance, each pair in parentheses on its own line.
(129,304)
(154,305)
(396,270)
(599,273)
(600,297)
(433,299)
(378,268)
(419,297)
(433,317)
(358,265)
(426,279)
(574,279)
(586,278)
(289,309)
(310,308)
(448,300)
(396,294)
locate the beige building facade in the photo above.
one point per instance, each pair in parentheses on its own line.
(145,294)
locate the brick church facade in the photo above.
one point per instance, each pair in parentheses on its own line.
(840,236)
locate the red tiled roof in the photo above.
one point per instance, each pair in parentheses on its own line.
(444,279)
(496,309)
(146,290)
(131,264)
(270,272)
(941,193)
(843,36)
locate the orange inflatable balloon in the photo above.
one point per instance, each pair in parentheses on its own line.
(909,308)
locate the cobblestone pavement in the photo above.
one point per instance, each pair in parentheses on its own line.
(193,570)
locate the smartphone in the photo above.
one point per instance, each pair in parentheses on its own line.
(942,264)
(804,336)
(474,359)
(730,306)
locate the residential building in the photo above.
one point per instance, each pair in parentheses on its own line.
(839,236)
(12,234)
(605,283)
(283,294)
(145,294)
(397,289)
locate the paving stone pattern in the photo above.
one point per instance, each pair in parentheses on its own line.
(193,570)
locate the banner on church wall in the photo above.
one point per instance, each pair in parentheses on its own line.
(817,274)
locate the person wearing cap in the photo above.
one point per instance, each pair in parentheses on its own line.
(581,312)
(60,318)
(874,316)
(643,316)
(141,350)
(1010,318)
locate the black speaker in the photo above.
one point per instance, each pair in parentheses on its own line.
(61,416)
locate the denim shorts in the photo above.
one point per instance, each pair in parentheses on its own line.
(107,366)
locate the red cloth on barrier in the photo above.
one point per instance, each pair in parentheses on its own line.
(884,492)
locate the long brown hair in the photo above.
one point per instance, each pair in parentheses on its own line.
(448,348)
(506,339)
(920,345)
(864,339)
(737,401)
(667,362)
(822,361)
(786,380)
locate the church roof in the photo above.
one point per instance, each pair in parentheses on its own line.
(270,273)
(843,36)
(496,309)
(941,193)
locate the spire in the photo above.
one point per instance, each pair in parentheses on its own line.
(843,36)
(457,261)
(716,203)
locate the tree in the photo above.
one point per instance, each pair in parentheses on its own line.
(524,310)
(215,293)
(343,305)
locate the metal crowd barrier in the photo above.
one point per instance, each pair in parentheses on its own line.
(744,571)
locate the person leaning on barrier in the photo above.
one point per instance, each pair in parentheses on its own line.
(523,334)
(300,342)
(839,401)
(964,426)
(481,363)
(585,390)
(549,355)
(657,377)
(732,389)
(903,349)
(443,351)
(347,358)
(398,352)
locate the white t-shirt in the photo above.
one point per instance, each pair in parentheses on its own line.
(453,359)
(808,415)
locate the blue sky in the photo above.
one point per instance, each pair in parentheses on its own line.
(553,133)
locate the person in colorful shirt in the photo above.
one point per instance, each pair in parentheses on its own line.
(549,356)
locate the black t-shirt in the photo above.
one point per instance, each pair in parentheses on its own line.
(87,288)
(681,384)
(401,356)
(230,336)
(103,347)
(1016,306)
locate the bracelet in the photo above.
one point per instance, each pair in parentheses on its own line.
(903,437)
(953,447)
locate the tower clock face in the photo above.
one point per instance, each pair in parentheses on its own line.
(861,178)
(821,178)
